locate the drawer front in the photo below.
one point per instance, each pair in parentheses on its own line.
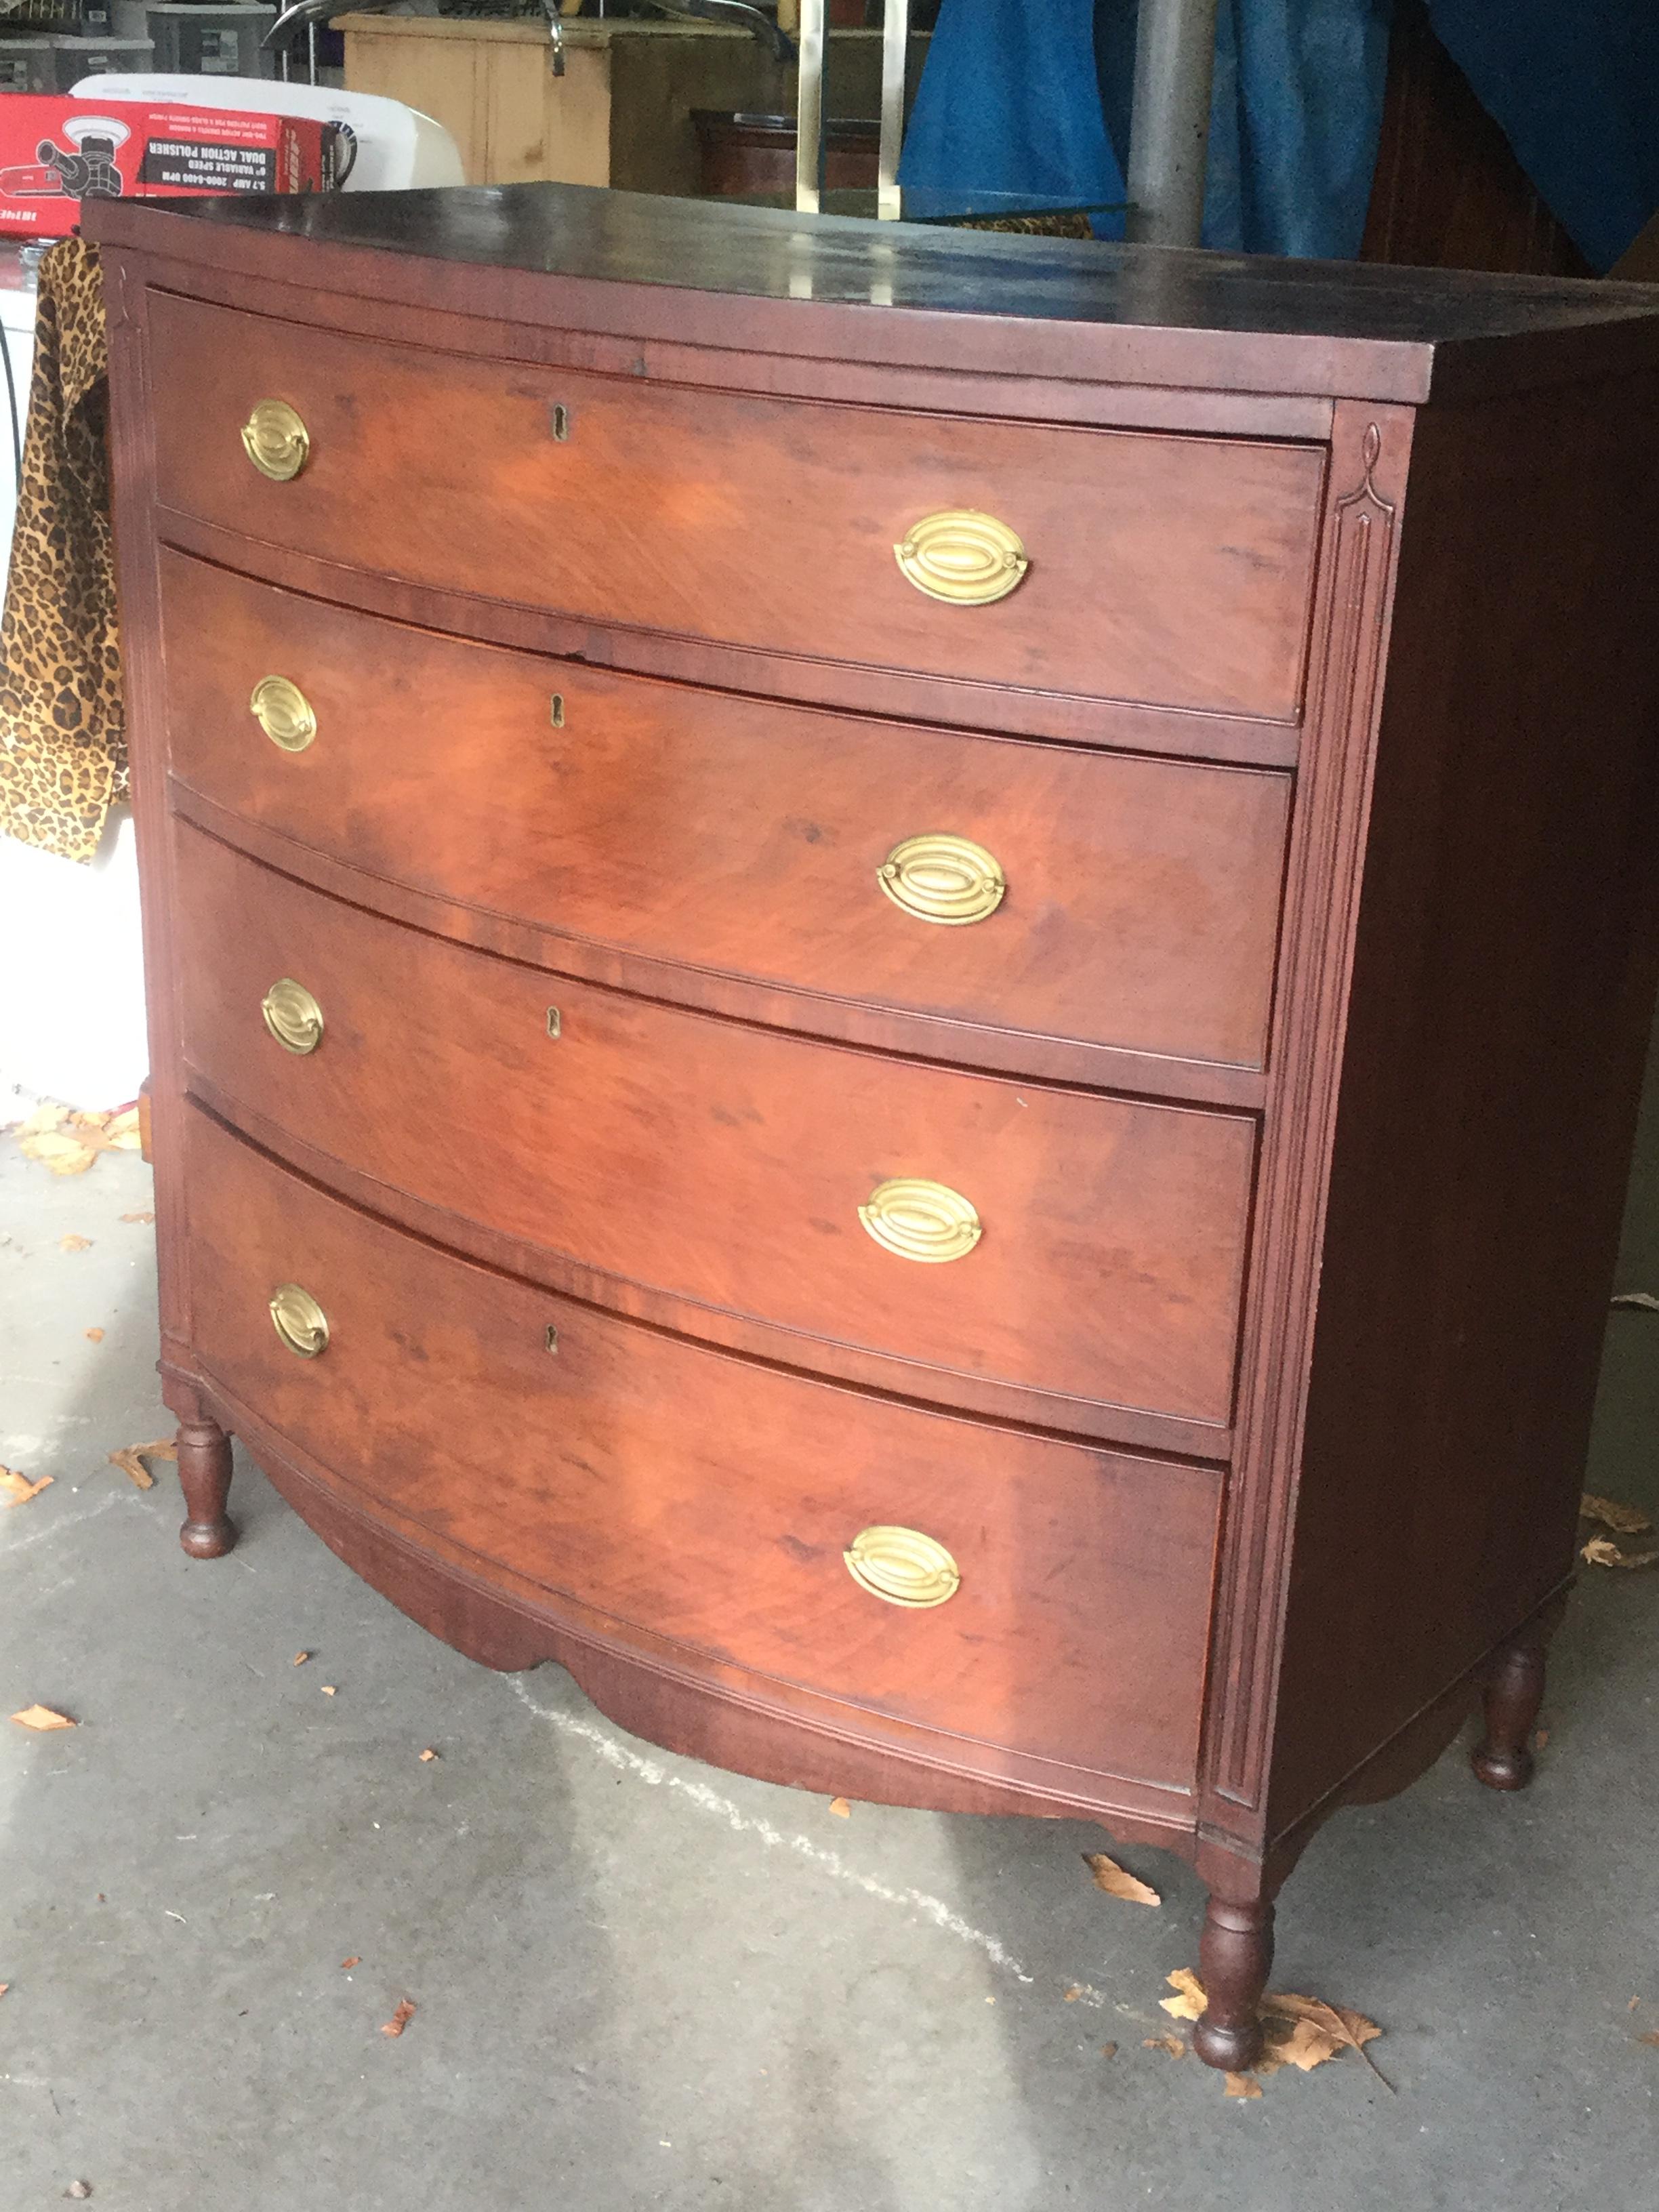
(1141,898)
(709,1500)
(1176,571)
(726,1163)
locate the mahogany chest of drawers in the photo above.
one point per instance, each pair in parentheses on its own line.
(897,978)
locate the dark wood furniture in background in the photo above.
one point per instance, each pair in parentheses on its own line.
(899,979)
(1449,192)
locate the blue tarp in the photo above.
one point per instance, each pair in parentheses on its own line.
(1031,98)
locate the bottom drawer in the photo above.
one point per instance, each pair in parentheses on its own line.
(709,1500)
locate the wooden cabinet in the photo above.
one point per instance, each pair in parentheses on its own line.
(620,114)
(899,979)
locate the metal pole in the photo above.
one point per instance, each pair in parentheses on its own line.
(895,57)
(1169,124)
(809,108)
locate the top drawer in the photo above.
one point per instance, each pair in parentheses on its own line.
(1173,571)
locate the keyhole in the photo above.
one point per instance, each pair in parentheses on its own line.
(556,710)
(560,422)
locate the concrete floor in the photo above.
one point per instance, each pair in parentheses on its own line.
(643,1983)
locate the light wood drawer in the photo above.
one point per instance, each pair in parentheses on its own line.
(740,836)
(724,1164)
(1175,571)
(683,1491)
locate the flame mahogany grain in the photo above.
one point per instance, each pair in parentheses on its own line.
(741,836)
(722,1165)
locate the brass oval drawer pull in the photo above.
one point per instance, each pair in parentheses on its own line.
(300,1321)
(944,879)
(962,557)
(903,1566)
(293,1016)
(283,713)
(275,441)
(920,1220)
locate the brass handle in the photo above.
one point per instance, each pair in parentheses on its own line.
(293,1016)
(300,1321)
(944,879)
(283,713)
(920,1220)
(962,557)
(903,1566)
(275,441)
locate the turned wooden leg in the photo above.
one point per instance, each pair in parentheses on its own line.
(1234,1955)
(205,1478)
(1515,1691)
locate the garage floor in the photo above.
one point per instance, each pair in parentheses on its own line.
(640,1982)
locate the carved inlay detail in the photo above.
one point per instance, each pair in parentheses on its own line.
(1321,907)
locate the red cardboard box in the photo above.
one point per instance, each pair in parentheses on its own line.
(56,151)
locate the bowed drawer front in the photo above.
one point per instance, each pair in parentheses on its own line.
(1041,889)
(682,1492)
(1118,564)
(1017,1233)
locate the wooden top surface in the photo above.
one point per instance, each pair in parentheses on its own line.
(578,30)
(836,285)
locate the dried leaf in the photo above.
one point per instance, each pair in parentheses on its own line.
(346,1965)
(299,1658)
(1073,1994)
(1631,2005)
(64,1156)
(840,1809)
(73,1243)
(1345,2030)
(1540,1738)
(1301,2031)
(428,1754)
(1644,1299)
(1172,2044)
(1241,2085)
(400,2019)
(1651,2039)
(1118,1882)
(43,1717)
(1602,1551)
(1612,1513)
(1106,2049)
(79,2188)
(130,1459)
(18,1488)
(95,1336)
(44,1117)
(1190,1999)
(137,1217)
(328,1689)
(69,1143)
(1302,2043)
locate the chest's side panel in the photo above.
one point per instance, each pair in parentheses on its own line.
(1503,983)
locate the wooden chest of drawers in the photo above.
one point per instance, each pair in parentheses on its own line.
(897,981)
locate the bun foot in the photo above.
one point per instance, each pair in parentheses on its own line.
(205,1478)
(1234,1955)
(1515,1691)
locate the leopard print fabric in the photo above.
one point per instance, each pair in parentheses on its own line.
(63,746)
